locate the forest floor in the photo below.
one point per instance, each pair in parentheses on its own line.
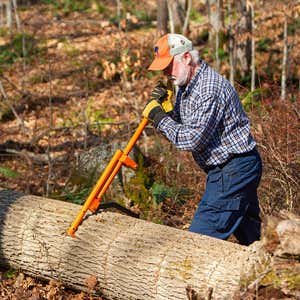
(85,83)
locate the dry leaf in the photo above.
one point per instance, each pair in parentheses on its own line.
(91,282)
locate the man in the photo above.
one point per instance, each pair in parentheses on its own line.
(208,119)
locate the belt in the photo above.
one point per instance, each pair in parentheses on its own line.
(233,156)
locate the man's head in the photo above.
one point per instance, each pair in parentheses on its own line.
(175,56)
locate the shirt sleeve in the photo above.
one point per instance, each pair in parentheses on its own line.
(197,128)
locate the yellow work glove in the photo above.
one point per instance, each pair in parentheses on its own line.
(154,112)
(163,95)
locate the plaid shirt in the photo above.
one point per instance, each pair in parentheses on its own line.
(208,120)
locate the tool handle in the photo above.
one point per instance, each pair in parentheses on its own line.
(167,104)
(121,160)
(106,178)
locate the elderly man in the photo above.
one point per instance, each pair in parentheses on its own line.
(208,120)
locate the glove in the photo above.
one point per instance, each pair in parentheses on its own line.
(159,93)
(163,95)
(154,112)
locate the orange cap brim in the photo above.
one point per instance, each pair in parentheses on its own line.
(160,63)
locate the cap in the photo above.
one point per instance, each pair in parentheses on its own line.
(167,47)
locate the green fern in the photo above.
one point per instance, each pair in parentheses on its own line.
(9,173)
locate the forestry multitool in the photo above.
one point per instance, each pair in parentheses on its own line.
(119,159)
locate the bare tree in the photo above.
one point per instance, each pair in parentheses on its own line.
(162,17)
(8,9)
(243,42)
(216,21)
(8,14)
(187,17)
(14,2)
(178,15)
(176,12)
(231,43)
(284,58)
(48,150)
(252,47)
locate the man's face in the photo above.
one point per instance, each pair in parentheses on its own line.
(178,70)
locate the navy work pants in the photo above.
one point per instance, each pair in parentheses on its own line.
(230,204)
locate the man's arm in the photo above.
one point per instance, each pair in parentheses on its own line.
(197,129)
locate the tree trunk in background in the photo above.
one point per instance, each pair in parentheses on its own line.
(15,8)
(253,70)
(284,60)
(185,28)
(125,258)
(9,15)
(231,44)
(216,21)
(243,44)
(176,15)
(162,17)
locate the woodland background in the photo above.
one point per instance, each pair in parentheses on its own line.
(74,81)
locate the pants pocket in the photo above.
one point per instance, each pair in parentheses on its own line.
(214,182)
(226,213)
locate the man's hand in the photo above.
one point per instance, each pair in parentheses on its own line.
(163,95)
(159,93)
(154,112)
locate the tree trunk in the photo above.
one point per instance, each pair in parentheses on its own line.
(252,48)
(243,43)
(9,15)
(215,16)
(162,17)
(185,28)
(176,16)
(127,258)
(284,60)
(231,44)
(216,21)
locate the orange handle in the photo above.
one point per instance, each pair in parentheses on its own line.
(106,178)
(135,136)
(113,171)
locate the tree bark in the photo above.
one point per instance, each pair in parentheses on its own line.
(284,59)
(231,44)
(243,43)
(129,258)
(176,16)
(162,17)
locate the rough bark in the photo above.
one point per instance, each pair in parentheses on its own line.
(231,43)
(176,15)
(243,43)
(162,17)
(129,258)
(284,60)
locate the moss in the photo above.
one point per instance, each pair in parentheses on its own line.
(287,278)
(138,187)
(183,268)
(186,267)
(12,51)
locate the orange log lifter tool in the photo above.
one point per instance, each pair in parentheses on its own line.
(120,158)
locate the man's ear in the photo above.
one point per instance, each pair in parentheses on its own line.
(186,58)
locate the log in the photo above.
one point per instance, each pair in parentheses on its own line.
(115,255)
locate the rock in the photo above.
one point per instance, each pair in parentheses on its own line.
(288,232)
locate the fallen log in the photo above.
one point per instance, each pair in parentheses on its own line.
(115,255)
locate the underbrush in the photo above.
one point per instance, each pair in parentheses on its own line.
(276,129)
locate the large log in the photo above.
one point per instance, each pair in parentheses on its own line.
(128,258)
